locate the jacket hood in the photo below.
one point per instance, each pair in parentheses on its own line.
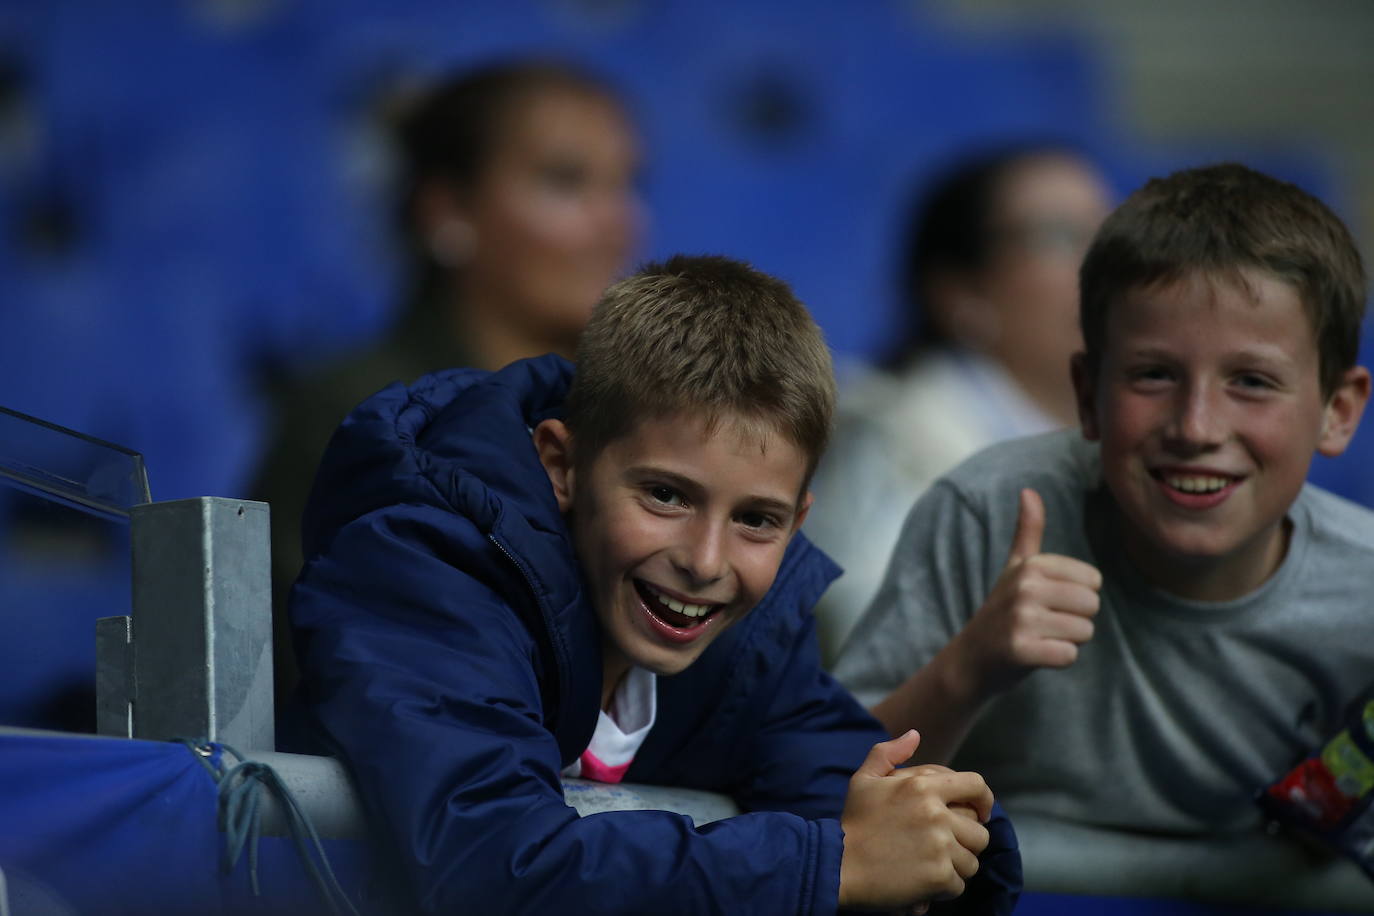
(457,440)
(460,441)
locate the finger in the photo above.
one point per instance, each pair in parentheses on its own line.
(1053,653)
(968,789)
(1068,569)
(1030,527)
(964,862)
(1058,598)
(971,835)
(967,811)
(886,756)
(1070,627)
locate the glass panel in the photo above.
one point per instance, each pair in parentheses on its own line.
(64,562)
(68,466)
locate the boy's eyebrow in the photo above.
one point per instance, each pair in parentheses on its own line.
(1272,353)
(779,507)
(693,488)
(1151,353)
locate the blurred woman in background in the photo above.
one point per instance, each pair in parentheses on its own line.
(990,288)
(519,207)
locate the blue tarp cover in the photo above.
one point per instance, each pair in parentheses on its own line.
(105,826)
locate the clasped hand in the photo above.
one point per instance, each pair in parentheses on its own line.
(911,835)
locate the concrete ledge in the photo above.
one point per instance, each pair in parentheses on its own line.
(1254,869)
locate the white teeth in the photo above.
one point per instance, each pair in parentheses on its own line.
(682,607)
(1197,484)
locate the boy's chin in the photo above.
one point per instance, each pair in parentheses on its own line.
(666,659)
(665,664)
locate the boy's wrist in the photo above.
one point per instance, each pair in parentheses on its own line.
(960,675)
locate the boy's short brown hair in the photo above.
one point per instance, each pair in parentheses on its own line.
(1219,220)
(707,335)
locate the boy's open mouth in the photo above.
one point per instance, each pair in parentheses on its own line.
(678,614)
(1197,483)
(1196,489)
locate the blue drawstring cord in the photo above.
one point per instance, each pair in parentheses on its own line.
(240,819)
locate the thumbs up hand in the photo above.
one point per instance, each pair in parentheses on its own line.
(1040,609)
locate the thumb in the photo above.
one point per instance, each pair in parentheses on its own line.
(886,756)
(1030,527)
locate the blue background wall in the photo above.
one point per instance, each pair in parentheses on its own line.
(194,194)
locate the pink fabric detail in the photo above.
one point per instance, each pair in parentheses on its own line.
(594,769)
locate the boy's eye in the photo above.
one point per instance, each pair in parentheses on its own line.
(1253,380)
(1149,375)
(759,520)
(665,495)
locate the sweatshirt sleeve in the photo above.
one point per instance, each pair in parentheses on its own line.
(425,679)
(935,581)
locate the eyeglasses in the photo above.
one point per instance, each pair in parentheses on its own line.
(1046,237)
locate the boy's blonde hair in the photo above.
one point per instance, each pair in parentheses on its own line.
(1219,220)
(705,335)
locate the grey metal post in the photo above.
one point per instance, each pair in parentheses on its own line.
(114,676)
(202,622)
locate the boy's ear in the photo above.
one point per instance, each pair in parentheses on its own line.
(1341,416)
(802,508)
(553,441)
(1085,394)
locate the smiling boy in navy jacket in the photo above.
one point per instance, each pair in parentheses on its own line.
(518,576)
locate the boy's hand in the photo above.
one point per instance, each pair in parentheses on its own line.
(911,835)
(1039,612)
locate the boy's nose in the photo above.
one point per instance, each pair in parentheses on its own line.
(702,557)
(1197,421)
